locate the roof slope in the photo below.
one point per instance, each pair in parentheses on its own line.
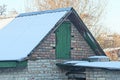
(20,37)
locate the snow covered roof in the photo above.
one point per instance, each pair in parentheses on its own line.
(98,57)
(22,35)
(106,65)
(112,65)
(74,62)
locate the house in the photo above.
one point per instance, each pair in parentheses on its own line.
(34,43)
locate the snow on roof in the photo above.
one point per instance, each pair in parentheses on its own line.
(74,62)
(44,12)
(107,65)
(22,35)
(98,57)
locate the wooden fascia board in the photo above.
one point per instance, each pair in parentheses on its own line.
(12,63)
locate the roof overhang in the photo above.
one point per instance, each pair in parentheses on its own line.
(92,65)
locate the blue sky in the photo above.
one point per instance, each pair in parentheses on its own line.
(111,18)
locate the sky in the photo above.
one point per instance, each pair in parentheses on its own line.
(111,18)
(14,5)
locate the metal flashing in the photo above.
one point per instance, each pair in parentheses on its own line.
(44,12)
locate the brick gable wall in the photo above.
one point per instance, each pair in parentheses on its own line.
(79,47)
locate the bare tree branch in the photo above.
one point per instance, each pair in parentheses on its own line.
(2,9)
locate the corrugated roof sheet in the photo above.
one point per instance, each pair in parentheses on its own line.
(22,35)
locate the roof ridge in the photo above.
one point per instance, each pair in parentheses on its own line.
(43,12)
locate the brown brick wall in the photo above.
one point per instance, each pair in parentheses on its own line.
(80,48)
(45,50)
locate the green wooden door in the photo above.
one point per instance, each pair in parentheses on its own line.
(63,41)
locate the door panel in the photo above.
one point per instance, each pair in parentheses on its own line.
(63,41)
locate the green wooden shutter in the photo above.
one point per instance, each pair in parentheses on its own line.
(63,41)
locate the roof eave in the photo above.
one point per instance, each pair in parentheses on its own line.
(72,66)
(13,63)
